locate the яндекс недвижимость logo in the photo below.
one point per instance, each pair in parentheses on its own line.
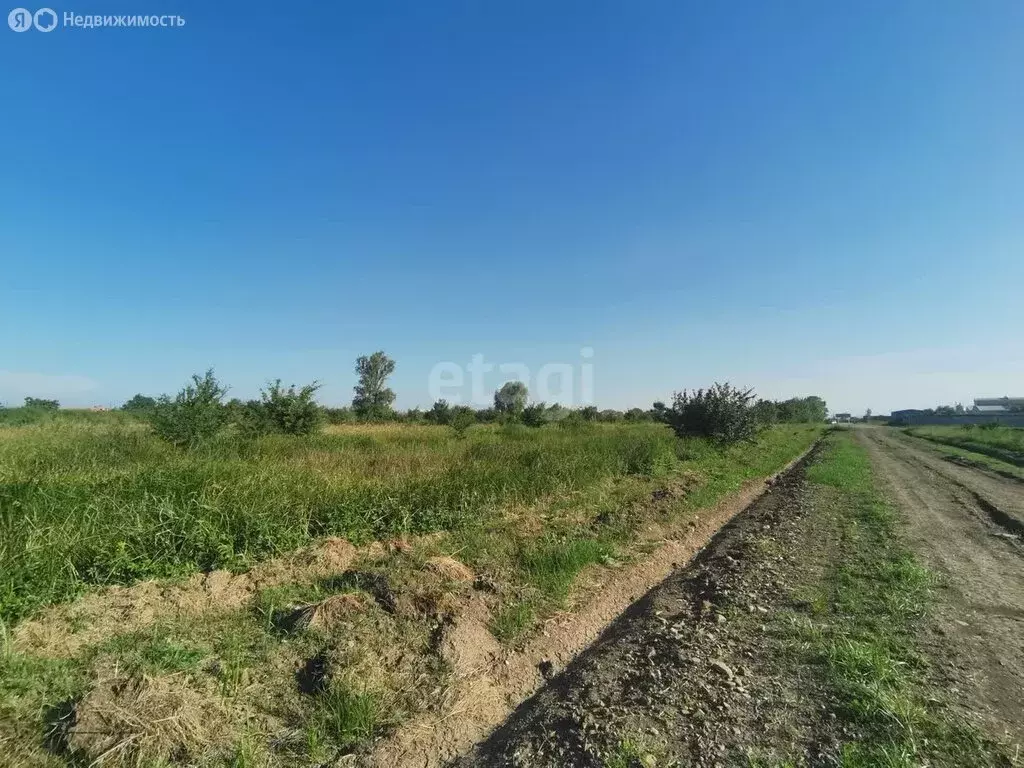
(46,20)
(22,19)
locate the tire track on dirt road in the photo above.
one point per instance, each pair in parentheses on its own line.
(958,518)
(1001,499)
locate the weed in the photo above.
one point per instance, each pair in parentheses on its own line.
(552,565)
(345,715)
(513,621)
(153,652)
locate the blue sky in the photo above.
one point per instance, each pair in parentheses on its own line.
(802,197)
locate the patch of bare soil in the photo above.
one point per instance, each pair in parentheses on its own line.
(688,674)
(962,521)
(490,682)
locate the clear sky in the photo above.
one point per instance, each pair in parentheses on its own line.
(803,197)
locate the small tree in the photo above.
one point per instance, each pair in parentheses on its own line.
(721,413)
(139,403)
(194,415)
(535,415)
(486,415)
(766,412)
(41,404)
(461,419)
(636,414)
(440,412)
(341,415)
(510,400)
(373,399)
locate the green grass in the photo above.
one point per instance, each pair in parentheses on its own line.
(862,631)
(153,652)
(84,504)
(552,565)
(1005,444)
(344,716)
(99,501)
(513,621)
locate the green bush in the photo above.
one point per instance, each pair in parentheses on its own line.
(343,415)
(461,419)
(46,405)
(291,411)
(139,404)
(721,413)
(440,413)
(196,414)
(535,415)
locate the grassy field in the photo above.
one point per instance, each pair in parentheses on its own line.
(90,501)
(1005,444)
(101,504)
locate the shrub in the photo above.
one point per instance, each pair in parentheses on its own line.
(139,403)
(46,405)
(988,425)
(659,412)
(196,414)
(291,411)
(440,413)
(535,415)
(341,415)
(721,413)
(766,412)
(486,415)
(461,419)
(282,411)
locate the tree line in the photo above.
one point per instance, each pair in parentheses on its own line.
(200,410)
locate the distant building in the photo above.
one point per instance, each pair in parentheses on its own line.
(998,404)
(907,413)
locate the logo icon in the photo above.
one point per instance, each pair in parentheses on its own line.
(45,19)
(20,20)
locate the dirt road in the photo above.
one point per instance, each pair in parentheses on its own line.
(966,524)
